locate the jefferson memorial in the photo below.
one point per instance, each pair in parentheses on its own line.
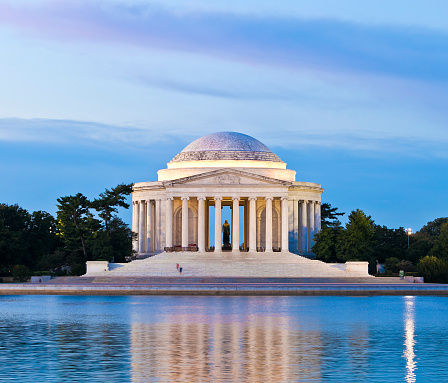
(226,206)
(270,209)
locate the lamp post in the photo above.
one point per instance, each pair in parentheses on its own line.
(409,231)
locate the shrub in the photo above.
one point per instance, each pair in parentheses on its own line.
(391,265)
(433,269)
(21,273)
(78,269)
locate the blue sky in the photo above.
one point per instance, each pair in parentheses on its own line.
(352,95)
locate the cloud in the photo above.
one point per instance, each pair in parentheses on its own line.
(71,132)
(128,138)
(287,42)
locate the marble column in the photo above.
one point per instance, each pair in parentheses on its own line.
(135,225)
(317,219)
(236,224)
(149,227)
(304,226)
(285,222)
(311,228)
(169,222)
(201,224)
(157,230)
(184,222)
(141,228)
(218,240)
(252,224)
(268,224)
(296,225)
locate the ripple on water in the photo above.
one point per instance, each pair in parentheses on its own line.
(219,339)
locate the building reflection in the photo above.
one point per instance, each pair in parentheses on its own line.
(216,347)
(409,341)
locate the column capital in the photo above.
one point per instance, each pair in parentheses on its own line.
(270,198)
(284,198)
(169,198)
(201,198)
(184,198)
(235,198)
(217,198)
(252,198)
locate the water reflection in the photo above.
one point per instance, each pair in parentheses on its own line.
(409,341)
(220,339)
(206,348)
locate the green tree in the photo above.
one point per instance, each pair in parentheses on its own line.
(357,240)
(440,248)
(391,265)
(325,244)
(14,227)
(433,269)
(422,242)
(433,228)
(76,223)
(389,243)
(115,245)
(21,272)
(42,237)
(110,200)
(329,216)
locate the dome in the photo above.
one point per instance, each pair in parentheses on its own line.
(226,146)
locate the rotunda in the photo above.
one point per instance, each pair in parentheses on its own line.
(271,211)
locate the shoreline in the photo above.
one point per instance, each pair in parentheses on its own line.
(227,289)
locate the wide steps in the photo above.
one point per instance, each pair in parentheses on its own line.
(228,265)
(240,280)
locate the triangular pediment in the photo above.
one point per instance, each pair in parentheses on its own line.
(227,177)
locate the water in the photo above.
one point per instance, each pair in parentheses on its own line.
(223,339)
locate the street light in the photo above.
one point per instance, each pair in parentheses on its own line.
(409,231)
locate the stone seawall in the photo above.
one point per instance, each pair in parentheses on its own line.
(267,289)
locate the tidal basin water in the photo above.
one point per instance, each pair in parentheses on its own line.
(223,339)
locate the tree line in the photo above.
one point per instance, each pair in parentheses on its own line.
(363,240)
(82,230)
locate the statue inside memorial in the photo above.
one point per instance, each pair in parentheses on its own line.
(226,236)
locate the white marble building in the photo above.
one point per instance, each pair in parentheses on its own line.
(226,169)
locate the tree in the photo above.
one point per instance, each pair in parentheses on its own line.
(433,228)
(42,236)
(21,272)
(329,216)
(14,226)
(325,243)
(424,240)
(440,248)
(356,241)
(108,202)
(433,269)
(115,245)
(75,221)
(389,243)
(391,265)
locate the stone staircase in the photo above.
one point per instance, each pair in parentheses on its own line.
(228,264)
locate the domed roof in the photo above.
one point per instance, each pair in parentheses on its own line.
(226,146)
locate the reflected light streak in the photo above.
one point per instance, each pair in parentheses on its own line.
(409,342)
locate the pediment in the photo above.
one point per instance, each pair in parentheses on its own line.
(227,177)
